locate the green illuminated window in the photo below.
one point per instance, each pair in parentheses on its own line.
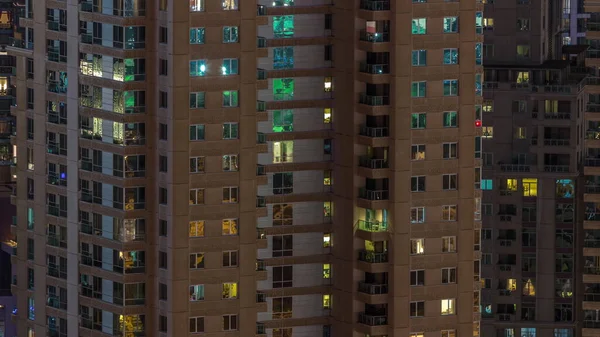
(230,34)
(196,100)
(418,89)
(197,67)
(283,120)
(419,26)
(283,26)
(450,119)
(196,35)
(230,98)
(283,3)
(229,67)
(451,24)
(283,89)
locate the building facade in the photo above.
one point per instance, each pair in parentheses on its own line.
(334,135)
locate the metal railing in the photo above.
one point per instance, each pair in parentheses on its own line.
(372,257)
(372,163)
(376,37)
(374,68)
(372,288)
(373,194)
(374,132)
(373,100)
(374,5)
(372,320)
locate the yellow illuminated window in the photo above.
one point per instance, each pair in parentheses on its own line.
(229,227)
(327,115)
(196,228)
(327,208)
(417,334)
(447,306)
(230,290)
(326,240)
(528,287)
(326,270)
(328,84)
(487,132)
(511,284)
(327,178)
(520,132)
(326,301)
(511,185)
(523,77)
(529,187)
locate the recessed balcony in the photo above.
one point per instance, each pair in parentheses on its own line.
(372,288)
(374,36)
(372,319)
(370,256)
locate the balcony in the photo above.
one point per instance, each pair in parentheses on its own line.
(375,69)
(373,195)
(370,256)
(54,55)
(57,26)
(373,100)
(56,117)
(56,271)
(57,179)
(372,226)
(56,302)
(56,87)
(372,319)
(373,5)
(372,289)
(372,163)
(20,47)
(56,241)
(374,132)
(592,189)
(374,37)
(591,297)
(55,210)
(557,115)
(260,329)
(557,142)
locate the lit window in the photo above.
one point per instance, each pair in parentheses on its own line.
(283,58)
(326,115)
(448,244)
(449,333)
(230,195)
(283,89)
(511,185)
(229,67)
(417,215)
(487,132)
(230,5)
(230,290)
(523,77)
(197,68)
(283,26)
(529,187)
(418,120)
(197,196)
(488,23)
(417,334)
(451,24)
(417,152)
(326,240)
(418,89)
(520,132)
(196,228)
(417,246)
(283,120)
(196,5)
(523,51)
(419,57)
(197,261)
(328,84)
(283,152)
(230,34)
(196,35)
(326,301)
(196,164)
(326,270)
(487,184)
(327,208)
(230,163)
(419,26)
(197,292)
(479,22)
(449,212)
(447,306)
(450,87)
(450,119)
(327,178)
(230,98)
(229,227)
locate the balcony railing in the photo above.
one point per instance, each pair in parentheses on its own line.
(56,241)
(591,297)
(591,324)
(372,226)
(373,5)
(557,115)
(592,162)
(373,100)
(374,132)
(592,107)
(372,163)
(261,297)
(261,202)
(372,257)
(373,194)
(376,37)
(592,189)
(372,320)
(557,142)
(592,216)
(374,68)
(56,302)
(591,270)
(372,289)
(17,43)
(515,168)
(56,118)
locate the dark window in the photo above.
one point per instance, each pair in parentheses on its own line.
(162,323)
(163,67)
(328,53)
(328,21)
(163,163)
(162,291)
(162,196)
(162,227)
(163,35)
(163,131)
(162,260)
(163,99)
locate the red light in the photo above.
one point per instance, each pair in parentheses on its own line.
(478,123)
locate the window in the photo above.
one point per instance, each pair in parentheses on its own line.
(230,163)
(230,131)
(197,261)
(448,244)
(162,323)
(417,152)
(229,67)
(479,22)
(449,182)
(162,196)
(283,215)
(283,120)
(478,54)
(450,87)
(282,308)
(196,229)
(163,163)
(448,333)
(418,89)
(450,119)
(530,187)
(229,227)
(196,196)
(283,245)
(163,131)
(326,301)
(449,212)
(230,5)
(328,84)
(447,306)
(230,34)
(197,292)
(487,132)
(326,270)
(162,227)
(197,164)
(450,150)
(283,58)
(328,52)
(230,98)
(197,132)
(230,195)
(197,100)
(448,275)
(417,214)
(417,246)
(451,56)
(196,5)
(418,120)
(326,240)
(163,67)
(417,309)
(230,290)
(230,322)
(417,277)
(419,26)
(528,332)
(282,276)
(417,184)
(230,258)
(451,24)
(419,57)
(487,184)
(522,24)
(326,115)
(488,23)
(162,260)
(523,51)
(564,263)
(162,292)
(196,324)
(197,68)
(283,183)
(488,50)
(196,35)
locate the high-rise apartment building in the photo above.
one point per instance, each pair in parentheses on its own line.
(533,146)
(342,140)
